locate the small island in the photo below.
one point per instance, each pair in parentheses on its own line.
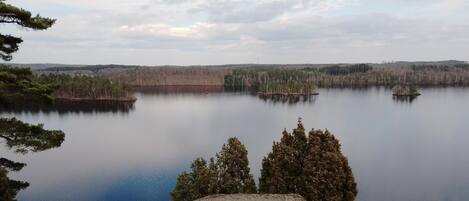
(405,91)
(287,89)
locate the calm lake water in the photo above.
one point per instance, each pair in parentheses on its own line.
(399,151)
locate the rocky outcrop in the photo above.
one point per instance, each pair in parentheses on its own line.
(253,197)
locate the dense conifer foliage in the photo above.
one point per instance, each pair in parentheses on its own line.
(312,166)
(23,137)
(227,174)
(18,86)
(200,182)
(233,169)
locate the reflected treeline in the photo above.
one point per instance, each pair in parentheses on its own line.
(288,99)
(181,89)
(404,99)
(82,106)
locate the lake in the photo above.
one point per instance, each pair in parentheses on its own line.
(398,150)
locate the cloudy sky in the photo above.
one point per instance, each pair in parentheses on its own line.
(157,32)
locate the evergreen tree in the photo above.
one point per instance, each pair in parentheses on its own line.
(312,166)
(183,189)
(228,174)
(196,184)
(15,84)
(233,166)
(329,177)
(213,178)
(17,87)
(283,172)
(201,177)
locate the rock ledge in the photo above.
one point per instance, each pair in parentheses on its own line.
(253,197)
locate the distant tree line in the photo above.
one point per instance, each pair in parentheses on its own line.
(439,67)
(312,166)
(359,75)
(272,81)
(86,87)
(345,70)
(20,85)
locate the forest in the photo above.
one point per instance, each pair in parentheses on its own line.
(276,78)
(20,85)
(84,87)
(350,76)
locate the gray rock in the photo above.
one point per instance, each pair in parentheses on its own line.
(253,197)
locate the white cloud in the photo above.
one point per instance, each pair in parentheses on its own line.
(237,31)
(195,31)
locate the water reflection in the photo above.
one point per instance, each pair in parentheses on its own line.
(64,107)
(288,99)
(404,99)
(412,151)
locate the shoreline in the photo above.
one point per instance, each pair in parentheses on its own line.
(406,95)
(286,94)
(117,100)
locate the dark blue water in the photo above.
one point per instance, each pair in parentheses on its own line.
(398,150)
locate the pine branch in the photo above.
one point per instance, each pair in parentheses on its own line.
(12,14)
(11,165)
(8,45)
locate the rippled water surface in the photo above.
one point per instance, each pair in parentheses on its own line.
(398,150)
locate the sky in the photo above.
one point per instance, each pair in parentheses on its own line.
(207,32)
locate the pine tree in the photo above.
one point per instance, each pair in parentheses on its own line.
(15,84)
(201,177)
(196,184)
(213,177)
(233,166)
(183,189)
(328,174)
(228,174)
(283,172)
(312,166)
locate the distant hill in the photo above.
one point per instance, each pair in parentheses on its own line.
(42,66)
(94,68)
